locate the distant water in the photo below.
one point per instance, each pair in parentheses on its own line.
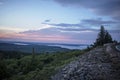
(21,44)
(71,46)
(59,45)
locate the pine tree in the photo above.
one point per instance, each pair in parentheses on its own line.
(103,37)
(108,38)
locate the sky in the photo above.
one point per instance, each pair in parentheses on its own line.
(58,21)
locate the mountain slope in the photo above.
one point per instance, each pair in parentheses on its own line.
(102,63)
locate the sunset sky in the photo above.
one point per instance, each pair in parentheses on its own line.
(58,21)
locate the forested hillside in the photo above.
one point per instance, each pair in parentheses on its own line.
(35,66)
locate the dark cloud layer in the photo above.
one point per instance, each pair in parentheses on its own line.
(78,30)
(84,24)
(98,22)
(101,7)
(66,25)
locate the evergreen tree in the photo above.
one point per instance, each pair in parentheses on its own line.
(108,38)
(103,37)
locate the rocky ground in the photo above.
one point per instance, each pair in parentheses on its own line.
(101,63)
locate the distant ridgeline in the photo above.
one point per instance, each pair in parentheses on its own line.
(27,48)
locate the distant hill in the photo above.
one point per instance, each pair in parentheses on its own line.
(27,48)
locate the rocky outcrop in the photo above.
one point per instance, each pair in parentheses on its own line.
(102,63)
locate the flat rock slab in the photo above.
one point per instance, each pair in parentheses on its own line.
(98,64)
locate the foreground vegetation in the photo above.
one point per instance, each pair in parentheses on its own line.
(37,67)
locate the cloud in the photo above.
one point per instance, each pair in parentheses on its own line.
(101,7)
(47,31)
(65,24)
(69,34)
(59,35)
(42,35)
(98,22)
(85,24)
(47,20)
(77,30)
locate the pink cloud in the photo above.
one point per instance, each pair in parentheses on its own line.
(33,36)
(53,35)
